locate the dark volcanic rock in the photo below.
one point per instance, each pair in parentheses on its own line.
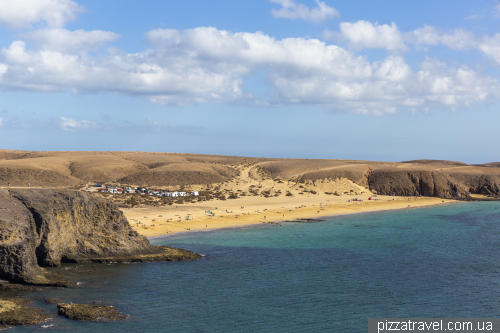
(44,227)
(90,312)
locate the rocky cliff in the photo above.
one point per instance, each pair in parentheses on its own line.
(410,183)
(44,227)
(432,183)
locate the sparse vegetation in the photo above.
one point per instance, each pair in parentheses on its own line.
(133,201)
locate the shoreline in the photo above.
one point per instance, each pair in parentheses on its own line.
(154,222)
(152,238)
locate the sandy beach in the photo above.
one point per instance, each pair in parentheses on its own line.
(156,221)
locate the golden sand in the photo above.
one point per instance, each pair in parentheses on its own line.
(157,221)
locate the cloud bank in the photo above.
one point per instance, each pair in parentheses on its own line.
(210,65)
(205,64)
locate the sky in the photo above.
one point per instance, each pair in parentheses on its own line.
(366,80)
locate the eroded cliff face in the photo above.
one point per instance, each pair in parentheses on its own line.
(18,241)
(72,225)
(488,184)
(410,183)
(44,227)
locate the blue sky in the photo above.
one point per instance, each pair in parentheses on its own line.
(369,80)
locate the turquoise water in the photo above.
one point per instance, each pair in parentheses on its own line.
(328,276)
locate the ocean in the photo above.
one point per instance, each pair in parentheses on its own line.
(328,276)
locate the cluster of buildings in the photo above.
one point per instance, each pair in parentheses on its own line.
(142,190)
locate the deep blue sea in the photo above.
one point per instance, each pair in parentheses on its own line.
(328,276)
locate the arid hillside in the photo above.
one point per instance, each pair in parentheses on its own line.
(78,169)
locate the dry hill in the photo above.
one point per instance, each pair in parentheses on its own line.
(72,169)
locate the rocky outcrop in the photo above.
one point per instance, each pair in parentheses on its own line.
(44,227)
(18,241)
(72,225)
(90,312)
(15,311)
(411,183)
(487,184)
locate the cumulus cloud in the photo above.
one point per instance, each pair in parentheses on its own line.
(210,65)
(292,10)
(17,14)
(1,122)
(68,124)
(363,34)
(63,40)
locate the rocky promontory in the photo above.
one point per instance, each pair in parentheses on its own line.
(46,227)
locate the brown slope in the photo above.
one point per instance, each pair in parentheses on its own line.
(426,177)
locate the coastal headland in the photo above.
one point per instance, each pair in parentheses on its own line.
(46,227)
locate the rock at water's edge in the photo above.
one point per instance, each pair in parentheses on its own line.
(14,311)
(44,227)
(90,312)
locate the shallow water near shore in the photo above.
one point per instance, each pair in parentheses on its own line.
(331,276)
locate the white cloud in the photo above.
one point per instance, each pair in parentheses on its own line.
(210,65)
(491,47)
(3,69)
(392,69)
(66,41)
(18,14)
(458,39)
(393,86)
(363,34)
(68,124)
(292,10)
(1,122)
